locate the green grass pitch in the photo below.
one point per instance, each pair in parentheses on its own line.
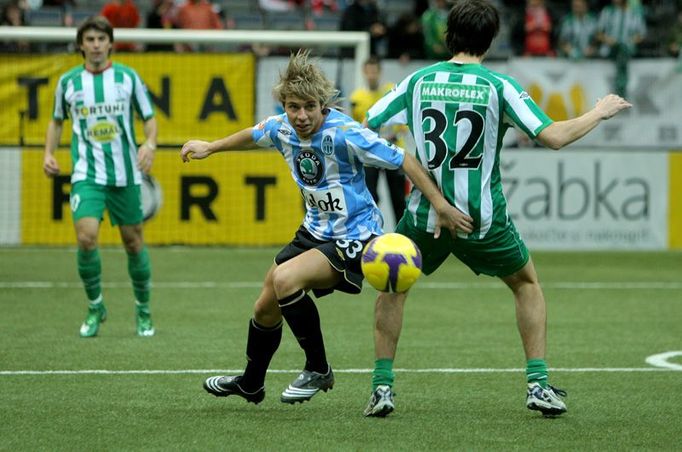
(459,383)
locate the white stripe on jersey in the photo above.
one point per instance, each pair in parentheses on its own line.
(383,103)
(119,163)
(420,150)
(491,133)
(81,166)
(513,97)
(462,174)
(89,99)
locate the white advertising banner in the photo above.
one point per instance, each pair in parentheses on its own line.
(10,196)
(584,200)
(566,89)
(563,88)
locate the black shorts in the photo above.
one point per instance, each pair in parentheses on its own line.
(343,255)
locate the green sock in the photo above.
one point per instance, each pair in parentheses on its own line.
(139,269)
(90,271)
(536,371)
(383,373)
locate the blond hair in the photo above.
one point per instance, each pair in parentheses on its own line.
(305,80)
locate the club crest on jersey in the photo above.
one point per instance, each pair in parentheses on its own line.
(122,94)
(327,145)
(309,168)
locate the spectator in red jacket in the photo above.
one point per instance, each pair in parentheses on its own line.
(122,14)
(197,15)
(538,30)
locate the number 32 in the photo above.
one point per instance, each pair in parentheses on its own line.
(461,158)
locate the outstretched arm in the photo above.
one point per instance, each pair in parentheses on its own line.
(448,216)
(197,149)
(562,133)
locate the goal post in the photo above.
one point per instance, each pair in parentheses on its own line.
(240,199)
(358,40)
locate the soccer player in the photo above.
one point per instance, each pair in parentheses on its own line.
(100,97)
(325,150)
(361,99)
(458,112)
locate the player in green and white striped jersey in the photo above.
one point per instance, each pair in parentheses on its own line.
(101,98)
(458,112)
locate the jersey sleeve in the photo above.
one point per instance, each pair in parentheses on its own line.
(61,110)
(520,110)
(372,150)
(391,109)
(141,99)
(264,133)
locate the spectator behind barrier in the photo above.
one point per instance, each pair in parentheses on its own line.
(538,28)
(197,15)
(405,39)
(13,16)
(577,33)
(161,16)
(434,24)
(364,15)
(620,30)
(122,14)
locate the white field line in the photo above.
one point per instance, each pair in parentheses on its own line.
(569,285)
(340,371)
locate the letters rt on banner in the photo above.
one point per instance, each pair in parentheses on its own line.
(210,102)
(237,198)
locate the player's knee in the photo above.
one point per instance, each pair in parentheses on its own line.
(132,241)
(267,312)
(87,240)
(133,246)
(283,281)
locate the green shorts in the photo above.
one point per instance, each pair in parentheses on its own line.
(500,255)
(123,203)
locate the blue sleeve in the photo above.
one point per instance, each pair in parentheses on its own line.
(372,150)
(265,132)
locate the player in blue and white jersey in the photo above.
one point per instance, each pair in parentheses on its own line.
(326,151)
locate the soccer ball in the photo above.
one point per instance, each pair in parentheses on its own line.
(152,197)
(391,263)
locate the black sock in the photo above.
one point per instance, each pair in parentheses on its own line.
(262,343)
(301,314)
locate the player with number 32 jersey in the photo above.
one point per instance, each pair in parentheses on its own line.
(458,115)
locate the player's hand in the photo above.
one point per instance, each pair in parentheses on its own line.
(195,150)
(454,220)
(145,158)
(50,166)
(610,105)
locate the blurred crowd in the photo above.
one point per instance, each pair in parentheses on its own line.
(401,29)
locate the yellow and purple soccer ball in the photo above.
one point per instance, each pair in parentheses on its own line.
(391,263)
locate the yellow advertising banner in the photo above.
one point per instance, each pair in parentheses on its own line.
(195,95)
(235,198)
(675,199)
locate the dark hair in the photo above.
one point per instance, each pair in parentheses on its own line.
(472,26)
(373,61)
(99,23)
